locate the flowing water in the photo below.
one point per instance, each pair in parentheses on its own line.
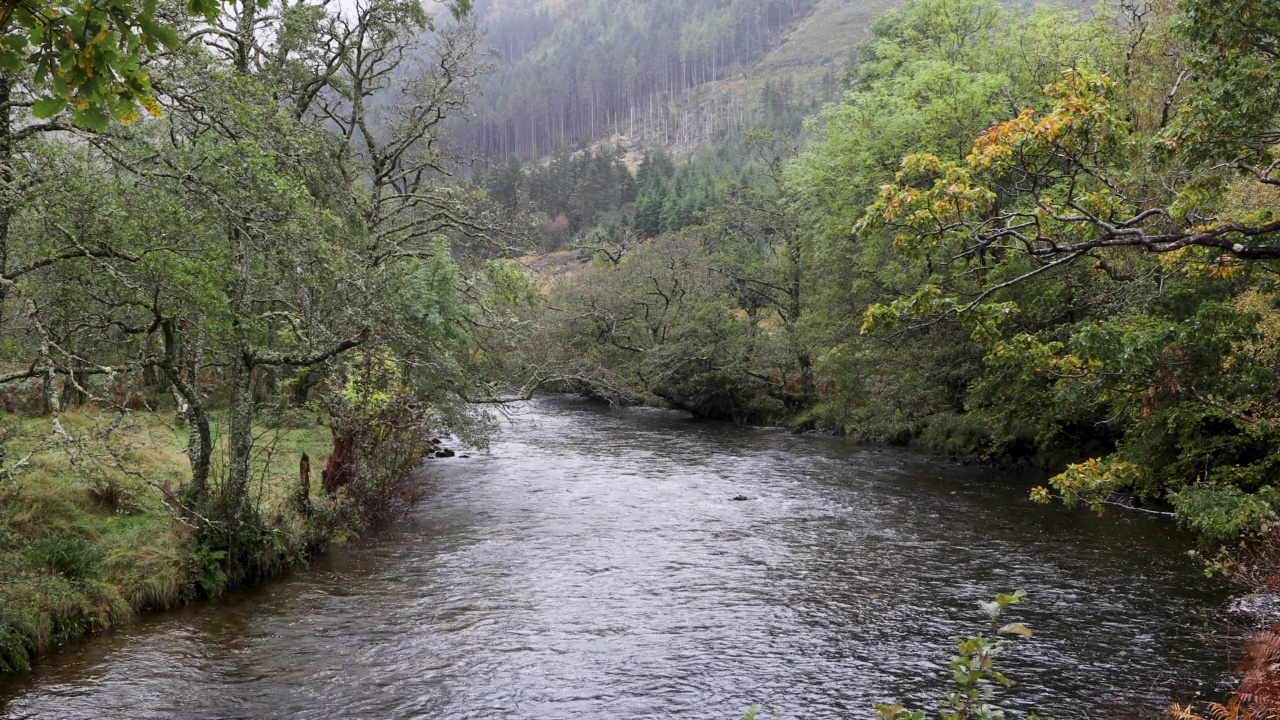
(594,564)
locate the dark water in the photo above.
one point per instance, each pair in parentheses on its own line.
(593,566)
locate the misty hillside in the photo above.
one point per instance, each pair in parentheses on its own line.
(658,73)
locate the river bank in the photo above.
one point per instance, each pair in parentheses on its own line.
(86,545)
(595,564)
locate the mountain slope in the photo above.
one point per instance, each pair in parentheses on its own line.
(576,71)
(659,73)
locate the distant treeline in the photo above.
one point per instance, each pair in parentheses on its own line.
(637,68)
(578,198)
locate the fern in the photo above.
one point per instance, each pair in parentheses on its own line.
(1258,696)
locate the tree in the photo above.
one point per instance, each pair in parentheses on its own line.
(658,324)
(1148,209)
(89,57)
(931,76)
(287,210)
(755,241)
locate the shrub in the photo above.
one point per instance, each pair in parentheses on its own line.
(73,557)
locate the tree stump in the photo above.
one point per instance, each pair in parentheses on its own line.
(304,486)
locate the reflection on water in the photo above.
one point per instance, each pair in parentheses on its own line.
(594,565)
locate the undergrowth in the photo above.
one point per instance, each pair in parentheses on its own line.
(83,548)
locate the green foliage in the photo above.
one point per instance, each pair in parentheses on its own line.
(90,57)
(973,670)
(571,192)
(656,326)
(73,557)
(211,575)
(1222,513)
(1234,102)
(708,315)
(931,77)
(996,247)
(219,263)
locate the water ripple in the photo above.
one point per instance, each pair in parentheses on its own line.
(593,565)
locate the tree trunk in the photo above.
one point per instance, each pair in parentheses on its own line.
(6,179)
(307,380)
(199,452)
(341,468)
(807,385)
(186,393)
(240,439)
(72,394)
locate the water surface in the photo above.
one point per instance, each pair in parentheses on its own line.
(594,565)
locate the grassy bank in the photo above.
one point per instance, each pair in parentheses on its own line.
(87,539)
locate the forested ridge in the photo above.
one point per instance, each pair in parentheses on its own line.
(660,74)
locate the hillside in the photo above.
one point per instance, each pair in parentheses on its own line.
(823,39)
(660,73)
(572,72)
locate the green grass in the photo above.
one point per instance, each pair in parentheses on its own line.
(85,545)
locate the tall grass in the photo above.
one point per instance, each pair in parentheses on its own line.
(85,544)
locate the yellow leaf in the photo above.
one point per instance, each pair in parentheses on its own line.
(1016,629)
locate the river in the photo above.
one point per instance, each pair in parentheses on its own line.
(594,564)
